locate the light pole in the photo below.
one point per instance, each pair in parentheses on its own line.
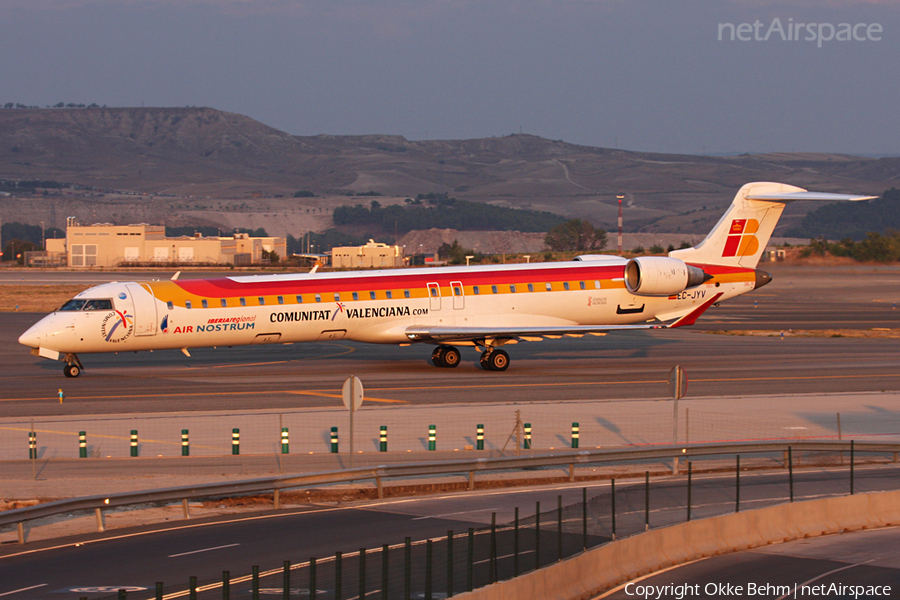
(468,258)
(43,247)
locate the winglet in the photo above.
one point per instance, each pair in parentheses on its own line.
(692,316)
(175,276)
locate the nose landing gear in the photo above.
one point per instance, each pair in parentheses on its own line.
(73,366)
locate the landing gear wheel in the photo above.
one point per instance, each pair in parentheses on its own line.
(450,358)
(495,360)
(445,356)
(437,357)
(72,370)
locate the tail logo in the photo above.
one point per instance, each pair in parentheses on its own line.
(741,239)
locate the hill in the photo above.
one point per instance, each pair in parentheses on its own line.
(200,166)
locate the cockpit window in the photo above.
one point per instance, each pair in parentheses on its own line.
(98,305)
(73,305)
(76,304)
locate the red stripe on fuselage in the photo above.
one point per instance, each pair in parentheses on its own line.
(229,288)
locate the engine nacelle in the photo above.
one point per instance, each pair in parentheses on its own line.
(661,276)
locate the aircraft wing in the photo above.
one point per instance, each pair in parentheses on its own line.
(471,334)
(468,334)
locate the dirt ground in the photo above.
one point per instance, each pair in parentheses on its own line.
(36,298)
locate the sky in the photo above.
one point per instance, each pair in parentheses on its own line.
(648,75)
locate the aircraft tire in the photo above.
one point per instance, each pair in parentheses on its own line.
(495,360)
(450,357)
(437,357)
(71,370)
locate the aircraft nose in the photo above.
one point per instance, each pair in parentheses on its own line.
(32,337)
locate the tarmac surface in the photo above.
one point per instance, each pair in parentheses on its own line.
(628,365)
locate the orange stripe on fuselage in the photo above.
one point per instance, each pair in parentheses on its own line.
(197,290)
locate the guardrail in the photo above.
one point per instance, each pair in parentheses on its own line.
(379,473)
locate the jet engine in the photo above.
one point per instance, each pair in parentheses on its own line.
(661,276)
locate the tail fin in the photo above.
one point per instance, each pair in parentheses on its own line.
(741,235)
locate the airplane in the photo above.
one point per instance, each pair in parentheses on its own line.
(486,307)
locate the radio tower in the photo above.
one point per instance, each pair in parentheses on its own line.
(620,197)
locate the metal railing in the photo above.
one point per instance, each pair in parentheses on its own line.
(471,466)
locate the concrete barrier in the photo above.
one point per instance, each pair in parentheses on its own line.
(595,571)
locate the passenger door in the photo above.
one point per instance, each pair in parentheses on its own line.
(143,309)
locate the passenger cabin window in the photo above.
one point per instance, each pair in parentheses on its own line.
(512,289)
(566,285)
(434,292)
(261,300)
(337,297)
(493,289)
(355,296)
(476,290)
(457,291)
(223,302)
(581,283)
(187,303)
(280,299)
(406,293)
(170,305)
(243,302)
(549,287)
(530,287)
(299,299)
(388,294)
(318,297)
(597,284)
(204,303)
(372,295)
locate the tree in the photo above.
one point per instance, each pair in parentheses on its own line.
(576,235)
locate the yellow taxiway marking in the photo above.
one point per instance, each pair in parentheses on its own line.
(328,395)
(348,350)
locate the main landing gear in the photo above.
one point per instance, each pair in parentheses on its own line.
(445,356)
(493,359)
(73,366)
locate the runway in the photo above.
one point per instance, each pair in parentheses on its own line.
(628,365)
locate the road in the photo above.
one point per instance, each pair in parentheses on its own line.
(140,558)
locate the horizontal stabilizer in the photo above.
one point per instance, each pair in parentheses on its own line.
(808,196)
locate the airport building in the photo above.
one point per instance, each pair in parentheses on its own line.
(107,245)
(372,255)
